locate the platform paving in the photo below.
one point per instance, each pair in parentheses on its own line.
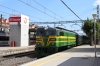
(78,56)
(14,50)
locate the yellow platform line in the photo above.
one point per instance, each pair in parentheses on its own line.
(41,62)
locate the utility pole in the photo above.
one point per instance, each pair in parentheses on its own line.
(94,16)
(98,13)
(99,23)
(1,21)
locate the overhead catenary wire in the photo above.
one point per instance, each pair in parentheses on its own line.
(72,11)
(10,14)
(57,22)
(84,13)
(37,9)
(4,12)
(30,15)
(21,12)
(48,9)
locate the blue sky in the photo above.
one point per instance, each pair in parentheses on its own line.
(83,8)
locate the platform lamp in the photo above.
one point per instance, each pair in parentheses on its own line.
(94,16)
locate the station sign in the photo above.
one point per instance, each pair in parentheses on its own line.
(15,18)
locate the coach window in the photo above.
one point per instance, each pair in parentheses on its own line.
(61,34)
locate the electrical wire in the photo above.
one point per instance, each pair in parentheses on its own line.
(47,9)
(37,9)
(4,12)
(10,14)
(20,12)
(83,13)
(72,11)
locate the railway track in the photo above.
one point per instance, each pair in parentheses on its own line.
(17,59)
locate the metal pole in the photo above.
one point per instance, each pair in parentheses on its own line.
(95,36)
(98,23)
(1,20)
(1,23)
(94,16)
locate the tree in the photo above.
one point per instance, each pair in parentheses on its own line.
(98,32)
(88,29)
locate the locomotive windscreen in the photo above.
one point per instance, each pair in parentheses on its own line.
(46,32)
(40,31)
(50,32)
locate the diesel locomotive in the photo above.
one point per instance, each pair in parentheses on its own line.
(51,40)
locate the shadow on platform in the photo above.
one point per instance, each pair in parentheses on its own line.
(81,61)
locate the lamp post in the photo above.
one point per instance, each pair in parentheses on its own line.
(94,16)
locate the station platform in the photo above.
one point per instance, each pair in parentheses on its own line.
(14,50)
(78,56)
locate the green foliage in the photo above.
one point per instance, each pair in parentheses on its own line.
(97,30)
(88,27)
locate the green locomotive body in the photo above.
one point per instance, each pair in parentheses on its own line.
(51,40)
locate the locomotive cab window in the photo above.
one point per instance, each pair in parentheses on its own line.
(61,34)
(41,32)
(50,32)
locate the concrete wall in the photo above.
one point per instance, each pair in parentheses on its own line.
(24,35)
(15,31)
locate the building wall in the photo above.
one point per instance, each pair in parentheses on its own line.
(15,31)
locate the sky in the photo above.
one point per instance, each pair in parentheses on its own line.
(51,11)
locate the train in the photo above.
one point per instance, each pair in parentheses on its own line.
(32,36)
(51,40)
